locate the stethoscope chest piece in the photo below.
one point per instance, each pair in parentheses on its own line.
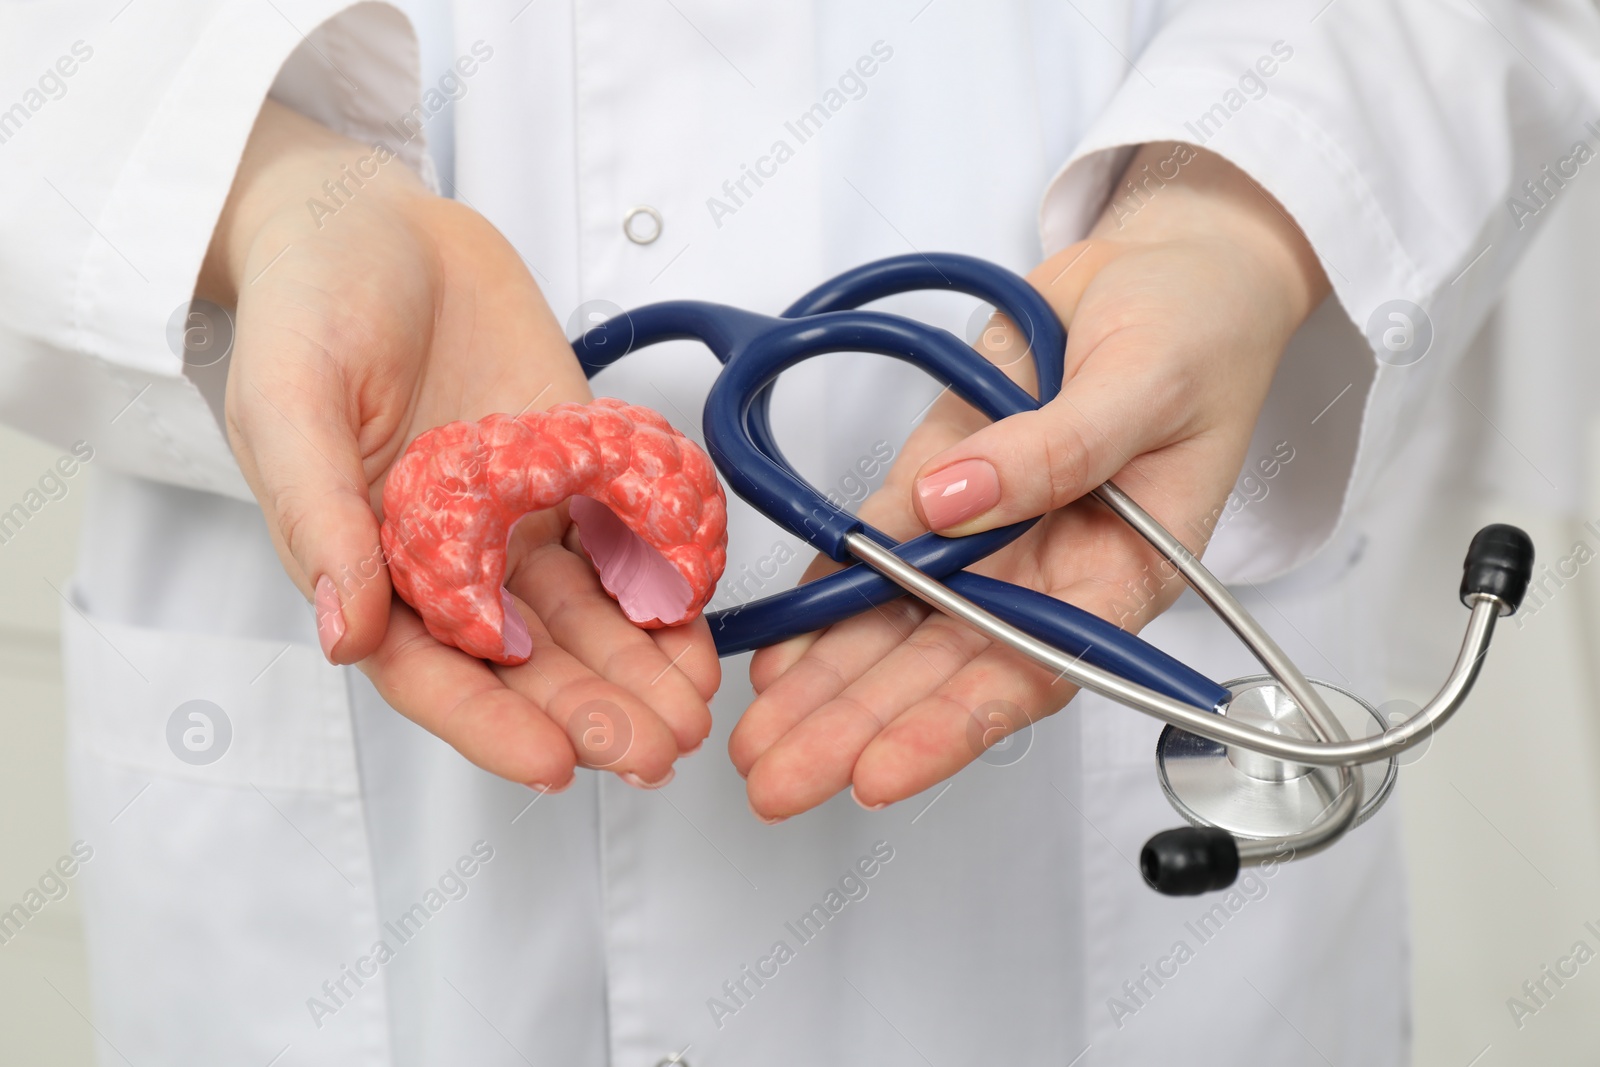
(1254,796)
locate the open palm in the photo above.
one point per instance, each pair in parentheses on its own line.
(358,331)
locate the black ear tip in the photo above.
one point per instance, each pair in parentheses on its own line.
(1500,563)
(1189,861)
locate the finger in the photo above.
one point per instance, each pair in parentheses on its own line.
(688,646)
(1036,461)
(773,662)
(607,727)
(693,653)
(816,759)
(460,700)
(563,590)
(987,700)
(835,660)
(296,439)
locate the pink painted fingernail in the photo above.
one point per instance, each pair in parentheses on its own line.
(517,642)
(870,807)
(639,783)
(960,492)
(330,617)
(773,821)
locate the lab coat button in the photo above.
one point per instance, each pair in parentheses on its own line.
(642,224)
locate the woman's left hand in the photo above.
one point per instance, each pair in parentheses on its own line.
(1178,315)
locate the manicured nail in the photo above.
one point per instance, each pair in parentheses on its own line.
(639,783)
(775,820)
(330,617)
(960,492)
(514,635)
(870,807)
(540,787)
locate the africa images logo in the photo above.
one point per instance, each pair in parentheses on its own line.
(199,732)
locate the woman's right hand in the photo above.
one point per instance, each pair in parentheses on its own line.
(1177,319)
(362,322)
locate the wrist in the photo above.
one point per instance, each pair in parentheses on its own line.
(294,173)
(1177,192)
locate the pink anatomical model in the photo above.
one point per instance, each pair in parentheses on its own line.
(650,514)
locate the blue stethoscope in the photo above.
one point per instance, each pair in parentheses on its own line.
(1264,768)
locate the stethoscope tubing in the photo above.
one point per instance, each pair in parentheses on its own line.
(756,349)
(1089,651)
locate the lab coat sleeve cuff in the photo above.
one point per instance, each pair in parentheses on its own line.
(353,68)
(1401,189)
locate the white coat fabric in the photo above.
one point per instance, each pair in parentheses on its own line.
(341,888)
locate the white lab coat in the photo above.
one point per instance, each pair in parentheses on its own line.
(233,910)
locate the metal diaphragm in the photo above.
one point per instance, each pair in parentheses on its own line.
(1254,796)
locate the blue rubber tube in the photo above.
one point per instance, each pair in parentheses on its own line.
(755,349)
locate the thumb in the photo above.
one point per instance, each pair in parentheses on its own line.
(301,457)
(1036,461)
